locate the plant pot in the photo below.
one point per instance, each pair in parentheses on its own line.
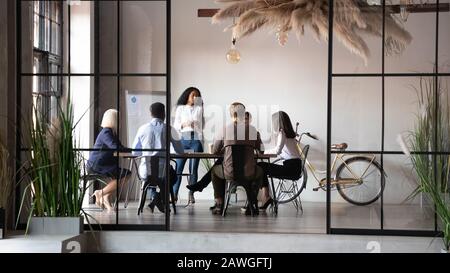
(2,223)
(71,226)
(445,251)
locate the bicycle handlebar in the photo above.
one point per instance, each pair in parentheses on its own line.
(306,133)
(312,136)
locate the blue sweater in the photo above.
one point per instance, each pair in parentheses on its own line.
(104,162)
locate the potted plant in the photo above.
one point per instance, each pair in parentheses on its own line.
(6,182)
(55,171)
(431,123)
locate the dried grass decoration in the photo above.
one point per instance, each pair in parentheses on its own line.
(352,18)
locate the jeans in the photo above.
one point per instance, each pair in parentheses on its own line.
(188,144)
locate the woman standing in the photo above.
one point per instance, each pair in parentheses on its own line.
(189,121)
(103,161)
(286,148)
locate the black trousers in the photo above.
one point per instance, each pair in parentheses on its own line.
(206,179)
(291,169)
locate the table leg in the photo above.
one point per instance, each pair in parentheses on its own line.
(132,181)
(119,180)
(189,192)
(274,194)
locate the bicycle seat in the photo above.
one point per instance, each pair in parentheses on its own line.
(341,146)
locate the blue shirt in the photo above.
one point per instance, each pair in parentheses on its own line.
(153,136)
(104,162)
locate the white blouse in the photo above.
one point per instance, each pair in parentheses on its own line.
(188,114)
(286,148)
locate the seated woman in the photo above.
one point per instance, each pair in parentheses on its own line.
(103,160)
(286,148)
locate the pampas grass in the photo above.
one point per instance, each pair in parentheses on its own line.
(352,18)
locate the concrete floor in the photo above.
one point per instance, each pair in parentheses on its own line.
(210,242)
(196,230)
(197,217)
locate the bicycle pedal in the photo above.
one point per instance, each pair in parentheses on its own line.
(316,189)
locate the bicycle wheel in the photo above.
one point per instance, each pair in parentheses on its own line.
(369,189)
(287,190)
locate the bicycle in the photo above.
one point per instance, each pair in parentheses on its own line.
(359,179)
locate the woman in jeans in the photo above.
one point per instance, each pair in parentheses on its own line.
(286,148)
(189,122)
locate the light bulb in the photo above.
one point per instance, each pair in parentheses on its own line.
(233,55)
(282,38)
(404,13)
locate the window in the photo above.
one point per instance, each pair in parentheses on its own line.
(47,57)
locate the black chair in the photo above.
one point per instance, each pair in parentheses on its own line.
(154,181)
(294,189)
(239,178)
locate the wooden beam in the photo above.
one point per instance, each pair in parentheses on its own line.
(443,7)
(422,8)
(207,12)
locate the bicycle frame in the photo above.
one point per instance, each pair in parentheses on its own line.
(356,180)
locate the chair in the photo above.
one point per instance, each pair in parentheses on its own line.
(188,175)
(293,191)
(239,177)
(153,181)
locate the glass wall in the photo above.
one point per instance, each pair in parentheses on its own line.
(102,55)
(385,109)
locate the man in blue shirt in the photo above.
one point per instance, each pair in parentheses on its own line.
(153,136)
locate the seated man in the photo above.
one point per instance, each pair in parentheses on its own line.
(153,136)
(206,179)
(238,132)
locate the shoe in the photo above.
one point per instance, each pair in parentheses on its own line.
(196,187)
(160,206)
(191,198)
(152,205)
(213,207)
(157,201)
(268,202)
(218,210)
(175,200)
(252,210)
(98,200)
